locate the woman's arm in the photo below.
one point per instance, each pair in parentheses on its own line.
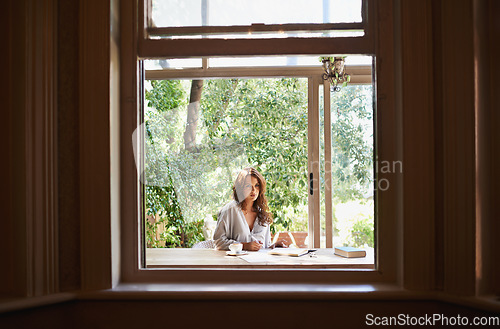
(222,242)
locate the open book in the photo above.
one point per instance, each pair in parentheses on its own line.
(294,252)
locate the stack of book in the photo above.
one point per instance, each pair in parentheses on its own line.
(350,252)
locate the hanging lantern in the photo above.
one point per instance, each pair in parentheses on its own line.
(335,72)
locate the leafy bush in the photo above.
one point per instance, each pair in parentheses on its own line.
(161,196)
(362,232)
(355,223)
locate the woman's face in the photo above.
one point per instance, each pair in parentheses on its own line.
(251,188)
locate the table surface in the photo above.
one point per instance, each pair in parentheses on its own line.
(186,257)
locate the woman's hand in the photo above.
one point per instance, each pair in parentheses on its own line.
(252,246)
(281,243)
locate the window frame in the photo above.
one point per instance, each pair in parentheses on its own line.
(136,46)
(359,74)
(150,30)
(411,264)
(160,48)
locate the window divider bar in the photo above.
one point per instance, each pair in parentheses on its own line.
(141,23)
(148,14)
(310,196)
(314,128)
(364,11)
(174,48)
(359,74)
(328,164)
(254,28)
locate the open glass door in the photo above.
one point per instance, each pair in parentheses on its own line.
(347,175)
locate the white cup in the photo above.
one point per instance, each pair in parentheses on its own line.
(236,247)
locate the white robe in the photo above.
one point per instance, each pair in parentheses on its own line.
(232,227)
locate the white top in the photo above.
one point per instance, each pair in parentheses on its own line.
(232,227)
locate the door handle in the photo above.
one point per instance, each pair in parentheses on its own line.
(311,186)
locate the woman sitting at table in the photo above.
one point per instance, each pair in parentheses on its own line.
(246,219)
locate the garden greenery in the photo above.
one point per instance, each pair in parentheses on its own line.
(245,122)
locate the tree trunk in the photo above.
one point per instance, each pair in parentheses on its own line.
(192,115)
(222,112)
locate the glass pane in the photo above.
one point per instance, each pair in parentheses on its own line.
(200,133)
(168,64)
(254,61)
(269,35)
(352,165)
(265,61)
(178,13)
(358,60)
(352,121)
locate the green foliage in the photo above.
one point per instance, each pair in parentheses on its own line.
(268,117)
(257,122)
(352,156)
(165,95)
(355,223)
(161,200)
(162,117)
(362,232)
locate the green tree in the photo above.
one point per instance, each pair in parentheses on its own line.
(352,154)
(268,118)
(162,134)
(258,122)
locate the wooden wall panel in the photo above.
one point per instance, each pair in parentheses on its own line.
(31,223)
(494,51)
(388,227)
(7,179)
(458,136)
(487,103)
(94,128)
(418,144)
(68,146)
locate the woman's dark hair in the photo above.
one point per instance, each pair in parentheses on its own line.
(260,204)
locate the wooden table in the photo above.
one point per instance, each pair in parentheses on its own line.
(191,258)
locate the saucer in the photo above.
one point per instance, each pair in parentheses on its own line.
(231,253)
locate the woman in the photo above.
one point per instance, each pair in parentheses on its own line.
(246,219)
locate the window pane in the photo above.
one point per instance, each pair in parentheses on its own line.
(198,134)
(264,61)
(270,35)
(178,13)
(253,61)
(169,64)
(194,147)
(352,116)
